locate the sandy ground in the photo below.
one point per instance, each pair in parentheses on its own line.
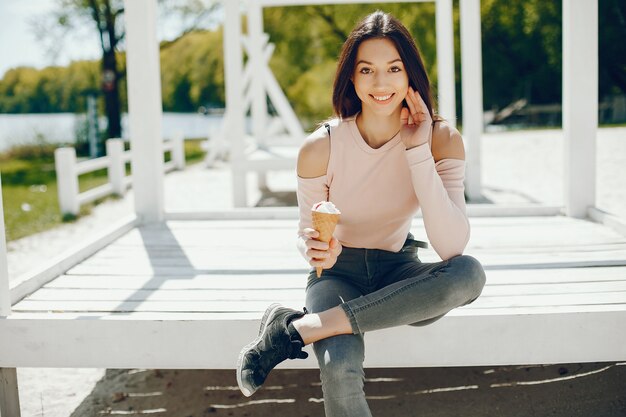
(517,167)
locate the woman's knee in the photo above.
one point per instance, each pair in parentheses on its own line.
(473,274)
(341,364)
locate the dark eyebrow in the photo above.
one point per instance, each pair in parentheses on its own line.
(362,61)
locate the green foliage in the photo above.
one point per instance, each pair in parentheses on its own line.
(522,41)
(192,72)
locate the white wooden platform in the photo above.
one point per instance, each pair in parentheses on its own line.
(189,294)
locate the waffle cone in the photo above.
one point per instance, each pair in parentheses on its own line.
(325,224)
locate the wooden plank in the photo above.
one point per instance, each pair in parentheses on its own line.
(298,279)
(253,303)
(504,340)
(9,396)
(224,264)
(269,294)
(256,315)
(58,265)
(114,253)
(218,281)
(123,295)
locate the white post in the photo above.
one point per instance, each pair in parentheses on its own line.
(67,180)
(472,96)
(234,125)
(259,97)
(445,61)
(5,292)
(117,166)
(145,108)
(580,103)
(256,43)
(9,396)
(178,151)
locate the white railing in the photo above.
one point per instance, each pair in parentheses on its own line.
(68,170)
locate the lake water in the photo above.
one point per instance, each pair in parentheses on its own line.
(62,127)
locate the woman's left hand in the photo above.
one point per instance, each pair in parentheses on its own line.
(416,121)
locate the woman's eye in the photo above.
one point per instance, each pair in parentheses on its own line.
(395,69)
(365,71)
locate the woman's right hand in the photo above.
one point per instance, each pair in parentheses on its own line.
(318,253)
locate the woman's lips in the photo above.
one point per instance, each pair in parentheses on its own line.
(383,101)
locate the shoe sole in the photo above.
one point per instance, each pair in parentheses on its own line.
(268,312)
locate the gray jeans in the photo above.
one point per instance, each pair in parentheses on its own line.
(379,289)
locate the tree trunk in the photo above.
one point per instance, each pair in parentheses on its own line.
(110,88)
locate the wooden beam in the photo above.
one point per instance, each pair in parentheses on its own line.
(145,108)
(445,61)
(479,340)
(9,395)
(5,295)
(580,104)
(52,268)
(472,95)
(234,118)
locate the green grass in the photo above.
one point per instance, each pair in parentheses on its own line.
(29,189)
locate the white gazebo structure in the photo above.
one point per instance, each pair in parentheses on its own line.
(160,290)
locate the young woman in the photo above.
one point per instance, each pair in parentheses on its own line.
(379,162)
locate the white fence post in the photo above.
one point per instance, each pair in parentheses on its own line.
(9,396)
(67,180)
(117,166)
(178,151)
(5,294)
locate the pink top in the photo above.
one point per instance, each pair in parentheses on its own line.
(378,191)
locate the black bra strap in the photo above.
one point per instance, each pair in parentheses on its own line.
(327,126)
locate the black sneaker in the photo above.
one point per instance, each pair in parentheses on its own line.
(274,344)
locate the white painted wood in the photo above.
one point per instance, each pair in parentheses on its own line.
(35,279)
(178,151)
(145,108)
(91,165)
(9,396)
(504,278)
(234,125)
(473,210)
(95,193)
(282,104)
(5,301)
(472,97)
(607,219)
(445,60)
(478,340)
(259,303)
(580,103)
(117,166)
(67,180)
(255,52)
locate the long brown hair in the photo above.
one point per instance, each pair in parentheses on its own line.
(379,24)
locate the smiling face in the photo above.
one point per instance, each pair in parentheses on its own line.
(379,77)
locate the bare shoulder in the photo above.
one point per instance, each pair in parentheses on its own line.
(447,142)
(313,155)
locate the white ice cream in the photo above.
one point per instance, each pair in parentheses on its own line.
(325,207)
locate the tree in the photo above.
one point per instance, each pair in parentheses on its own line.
(107,16)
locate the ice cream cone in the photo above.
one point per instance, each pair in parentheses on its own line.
(325,224)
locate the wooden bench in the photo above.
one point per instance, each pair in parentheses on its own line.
(190,293)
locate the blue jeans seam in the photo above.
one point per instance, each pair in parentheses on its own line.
(355,327)
(392,294)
